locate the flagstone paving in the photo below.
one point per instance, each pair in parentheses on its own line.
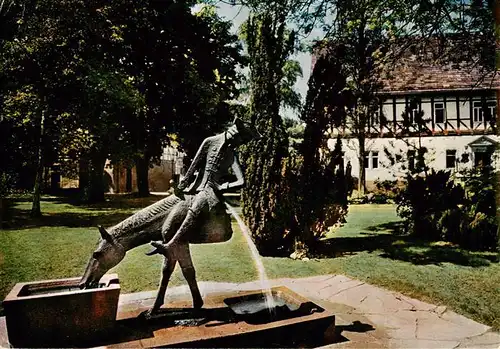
(366,316)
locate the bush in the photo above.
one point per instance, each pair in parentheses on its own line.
(385,193)
(316,198)
(387,188)
(328,205)
(379,198)
(481,225)
(430,204)
(435,207)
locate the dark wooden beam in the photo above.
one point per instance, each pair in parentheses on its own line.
(432,113)
(445,118)
(394,113)
(471,108)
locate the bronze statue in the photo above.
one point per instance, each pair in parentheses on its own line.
(202,216)
(194,214)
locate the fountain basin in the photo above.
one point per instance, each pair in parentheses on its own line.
(218,324)
(254,308)
(56,312)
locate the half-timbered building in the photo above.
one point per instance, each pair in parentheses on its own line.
(458,105)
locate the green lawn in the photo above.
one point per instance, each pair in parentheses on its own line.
(368,247)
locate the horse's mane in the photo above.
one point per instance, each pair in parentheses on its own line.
(142,219)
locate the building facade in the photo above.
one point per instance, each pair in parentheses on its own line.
(448,109)
(170,167)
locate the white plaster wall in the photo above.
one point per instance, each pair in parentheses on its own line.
(435,157)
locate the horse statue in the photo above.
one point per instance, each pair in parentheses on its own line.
(195,213)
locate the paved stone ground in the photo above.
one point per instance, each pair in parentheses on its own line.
(366,316)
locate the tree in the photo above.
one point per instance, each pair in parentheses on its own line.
(269,45)
(212,84)
(322,199)
(185,66)
(423,20)
(360,33)
(94,94)
(27,67)
(115,80)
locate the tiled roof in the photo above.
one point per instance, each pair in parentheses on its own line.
(418,69)
(422,69)
(415,75)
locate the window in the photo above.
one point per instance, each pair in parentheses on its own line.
(413,108)
(374,159)
(477,112)
(376,118)
(411,160)
(412,116)
(451,158)
(371,158)
(491,110)
(439,113)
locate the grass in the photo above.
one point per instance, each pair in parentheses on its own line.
(368,247)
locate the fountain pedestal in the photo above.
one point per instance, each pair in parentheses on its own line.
(228,319)
(57,313)
(221,324)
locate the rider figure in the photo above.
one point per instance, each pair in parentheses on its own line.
(202,181)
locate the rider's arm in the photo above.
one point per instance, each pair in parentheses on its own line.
(238,172)
(197,164)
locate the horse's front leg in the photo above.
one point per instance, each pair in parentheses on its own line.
(183,255)
(167,270)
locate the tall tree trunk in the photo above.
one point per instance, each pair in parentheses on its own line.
(37,189)
(362,170)
(117,171)
(83,173)
(142,169)
(128,180)
(94,192)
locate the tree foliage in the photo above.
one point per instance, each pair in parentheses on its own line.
(114,80)
(423,20)
(269,45)
(322,201)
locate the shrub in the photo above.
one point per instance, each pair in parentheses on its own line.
(481,225)
(3,185)
(435,207)
(388,188)
(426,199)
(386,192)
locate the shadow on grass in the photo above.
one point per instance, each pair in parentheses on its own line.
(21,219)
(108,213)
(112,201)
(388,240)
